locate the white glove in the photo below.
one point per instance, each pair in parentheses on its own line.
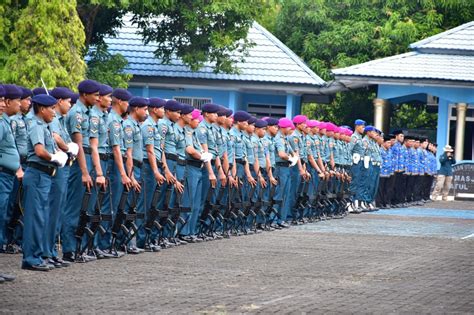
(356,158)
(59,158)
(293,160)
(366,161)
(73,148)
(206,157)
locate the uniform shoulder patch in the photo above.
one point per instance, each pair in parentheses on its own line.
(129,131)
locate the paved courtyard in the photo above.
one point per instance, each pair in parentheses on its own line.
(416,260)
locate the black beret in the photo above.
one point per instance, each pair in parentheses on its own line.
(397,132)
(2,91)
(105,89)
(241,116)
(173,105)
(156,102)
(260,123)
(186,109)
(26,92)
(61,93)
(74,98)
(210,108)
(272,121)
(122,94)
(138,102)
(252,120)
(222,111)
(88,86)
(391,136)
(387,138)
(44,100)
(12,91)
(39,91)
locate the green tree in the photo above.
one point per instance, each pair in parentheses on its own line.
(331,34)
(47,42)
(195,31)
(413,117)
(107,68)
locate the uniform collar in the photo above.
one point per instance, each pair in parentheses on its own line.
(5,116)
(113,112)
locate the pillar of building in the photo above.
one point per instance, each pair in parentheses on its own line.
(382,115)
(461,109)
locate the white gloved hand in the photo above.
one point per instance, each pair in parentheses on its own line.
(293,160)
(59,158)
(366,161)
(73,148)
(206,157)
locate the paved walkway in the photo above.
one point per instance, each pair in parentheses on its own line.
(388,261)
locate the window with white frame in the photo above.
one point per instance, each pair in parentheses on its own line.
(267,110)
(197,102)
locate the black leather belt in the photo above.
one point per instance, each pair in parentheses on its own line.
(171,156)
(158,163)
(23,159)
(7,171)
(240,161)
(181,162)
(283,164)
(104,156)
(195,163)
(136,163)
(50,170)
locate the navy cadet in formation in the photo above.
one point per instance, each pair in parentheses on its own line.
(9,166)
(169,174)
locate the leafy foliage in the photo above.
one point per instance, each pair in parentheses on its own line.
(413,117)
(331,34)
(107,68)
(195,31)
(46,42)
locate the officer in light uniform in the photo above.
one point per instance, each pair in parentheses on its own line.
(133,143)
(152,166)
(43,160)
(59,187)
(77,122)
(10,169)
(357,150)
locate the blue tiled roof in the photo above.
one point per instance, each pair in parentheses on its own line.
(446,56)
(417,66)
(459,38)
(268,61)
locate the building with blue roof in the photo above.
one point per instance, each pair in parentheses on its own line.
(272,80)
(438,70)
